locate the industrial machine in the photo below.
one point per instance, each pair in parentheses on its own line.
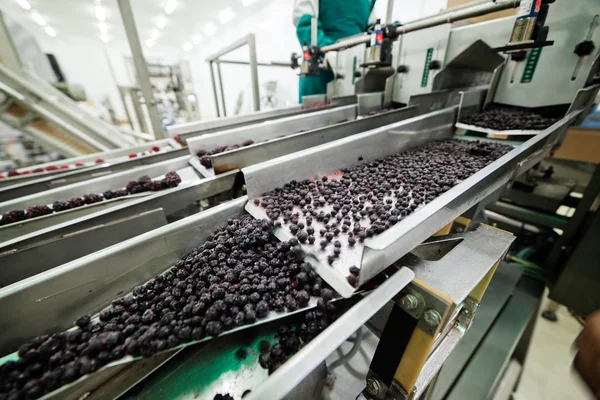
(417,286)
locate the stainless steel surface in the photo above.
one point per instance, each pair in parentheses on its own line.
(378,253)
(53,299)
(258,153)
(215,94)
(369,102)
(97,185)
(438,19)
(388,12)
(48,255)
(313,100)
(53,181)
(296,368)
(141,67)
(270,130)
(24,252)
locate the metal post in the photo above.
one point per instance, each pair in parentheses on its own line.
(220,75)
(314,23)
(214,85)
(388,12)
(141,68)
(254,71)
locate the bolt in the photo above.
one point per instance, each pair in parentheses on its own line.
(432,318)
(373,386)
(409,302)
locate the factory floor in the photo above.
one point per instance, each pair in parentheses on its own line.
(547,372)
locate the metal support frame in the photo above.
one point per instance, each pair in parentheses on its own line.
(141,68)
(249,40)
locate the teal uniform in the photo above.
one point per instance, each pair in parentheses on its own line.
(338,19)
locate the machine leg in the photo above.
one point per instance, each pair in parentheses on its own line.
(550,312)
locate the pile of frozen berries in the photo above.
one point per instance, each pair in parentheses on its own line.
(330,215)
(143,184)
(240,274)
(509,118)
(204,155)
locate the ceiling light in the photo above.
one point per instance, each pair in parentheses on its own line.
(187,46)
(24,4)
(103,27)
(210,29)
(50,31)
(248,2)
(154,34)
(226,15)
(197,38)
(149,43)
(104,37)
(170,6)
(100,13)
(161,22)
(38,18)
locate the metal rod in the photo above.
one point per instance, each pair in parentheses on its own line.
(388,12)
(214,85)
(314,24)
(254,71)
(260,64)
(141,68)
(233,46)
(220,76)
(438,19)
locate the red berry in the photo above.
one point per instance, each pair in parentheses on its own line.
(79,164)
(1,176)
(25,172)
(64,167)
(155,148)
(13,172)
(38,170)
(51,168)
(99,161)
(132,155)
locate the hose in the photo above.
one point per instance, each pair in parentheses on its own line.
(346,357)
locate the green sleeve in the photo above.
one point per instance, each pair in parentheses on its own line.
(303,32)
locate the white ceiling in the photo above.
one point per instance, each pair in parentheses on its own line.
(76,18)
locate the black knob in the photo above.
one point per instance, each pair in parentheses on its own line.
(435,64)
(357,74)
(402,69)
(584,48)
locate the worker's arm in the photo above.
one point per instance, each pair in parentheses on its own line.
(304,10)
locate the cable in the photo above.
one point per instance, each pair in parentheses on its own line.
(346,357)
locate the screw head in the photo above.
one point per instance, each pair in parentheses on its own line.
(409,302)
(432,318)
(373,386)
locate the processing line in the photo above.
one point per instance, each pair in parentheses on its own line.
(417,286)
(57,169)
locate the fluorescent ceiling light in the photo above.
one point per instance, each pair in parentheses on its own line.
(187,46)
(50,31)
(103,27)
(161,22)
(149,43)
(210,29)
(24,4)
(197,38)
(100,13)
(170,6)
(248,2)
(154,34)
(104,37)
(226,15)
(38,18)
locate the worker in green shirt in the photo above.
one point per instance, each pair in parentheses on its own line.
(337,19)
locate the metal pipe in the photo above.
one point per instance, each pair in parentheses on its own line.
(141,68)
(388,12)
(214,85)
(220,75)
(348,356)
(254,71)
(260,64)
(233,46)
(435,20)
(314,23)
